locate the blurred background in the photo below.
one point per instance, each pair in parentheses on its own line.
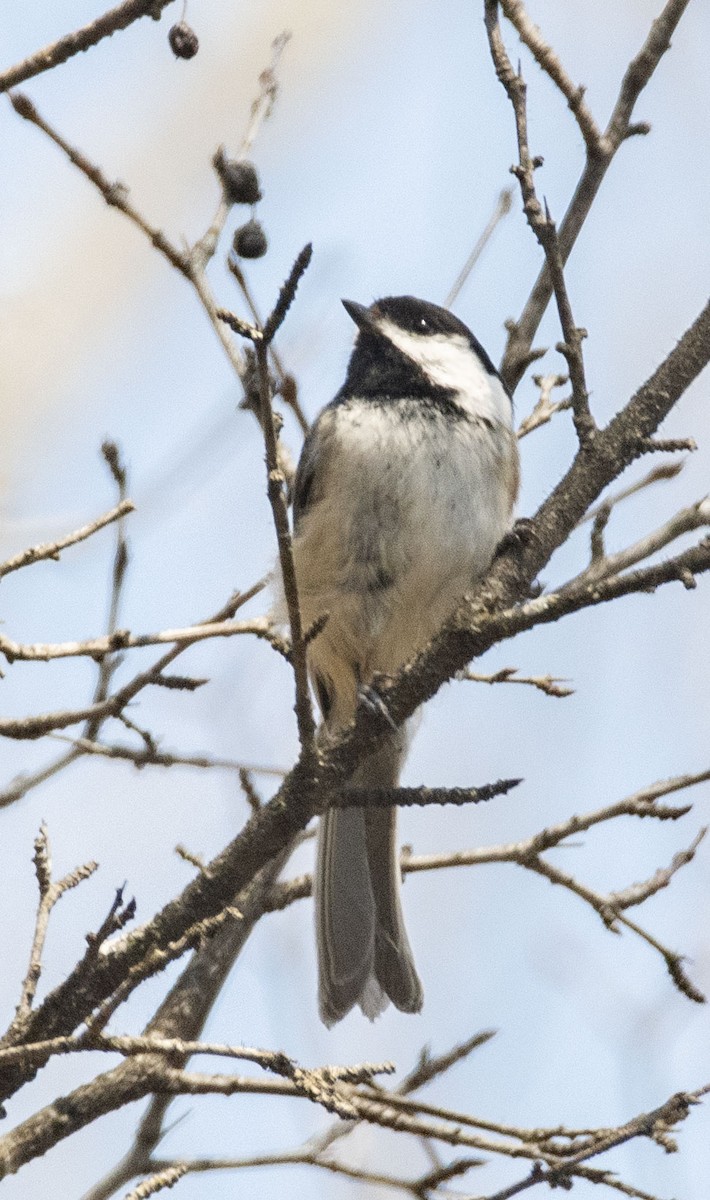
(388,147)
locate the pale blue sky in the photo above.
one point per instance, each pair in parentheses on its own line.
(387,150)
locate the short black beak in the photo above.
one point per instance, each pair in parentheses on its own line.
(361,315)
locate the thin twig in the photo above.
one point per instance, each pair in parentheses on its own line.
(191,264)
(82,39)
(49,895)
(549,62)
(419,797)
(162,1179)
(206,246)
(22,784)
(110,662)
(603,565)
(161,758)
(123,639)
(542,225)
(115,194)
(430,1067)
(277,499)
(501,210)
(276,483)
(488,615)
(549,684)
(269,1060)
(545,407)
(664,471)
(53,549)
(290,1159)
(639,72)
(261,109)
(38,726)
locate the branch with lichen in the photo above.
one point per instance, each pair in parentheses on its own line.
(519,351)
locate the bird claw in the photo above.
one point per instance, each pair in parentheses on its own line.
(375,705)
(516,538)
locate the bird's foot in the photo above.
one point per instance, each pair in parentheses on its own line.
(373,702)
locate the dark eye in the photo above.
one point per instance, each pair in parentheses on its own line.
(423,325)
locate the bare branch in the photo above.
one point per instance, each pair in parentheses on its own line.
(277,499)
(542,224)
(183,1013)
(123,639)
(333,1088)
(640,71)
(82,39)
(53,549)
(251,795)
(604,565)
(545,408)
(130,1047)
(22,784)
(641,804)
(261,109)
(38,726)
(287,387)
(419,797)
(429,1068)
(192,264)
(638,892)
(549,684)
(562,1151)
(291,1158)
(161,1180)
(287,293)
(501,210)
(49,894)
(673,960)
(277,484)
(548,61)
(205,248)
(114,193)
(158,758)
(663,472)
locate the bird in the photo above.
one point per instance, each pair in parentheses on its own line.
(405,486)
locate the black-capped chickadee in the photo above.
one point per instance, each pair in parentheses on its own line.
(405,486)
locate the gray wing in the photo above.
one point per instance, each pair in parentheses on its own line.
(313,468)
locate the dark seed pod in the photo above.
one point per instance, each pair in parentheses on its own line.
(183,41)
(250,240)
(239,179)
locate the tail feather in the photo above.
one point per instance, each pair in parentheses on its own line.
(394,963)
(364,956)
(345,912)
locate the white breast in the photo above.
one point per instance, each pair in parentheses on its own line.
(414,506)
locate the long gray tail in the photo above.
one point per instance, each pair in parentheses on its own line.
(364,956)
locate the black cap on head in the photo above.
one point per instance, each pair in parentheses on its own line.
(415,316)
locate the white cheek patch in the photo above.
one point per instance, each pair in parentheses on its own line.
(448,361)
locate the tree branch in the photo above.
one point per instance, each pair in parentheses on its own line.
(548,61)
(82,39)
(113,705)
(123,639)
(521,333)
(53,549)
(541,223)
(482,621)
